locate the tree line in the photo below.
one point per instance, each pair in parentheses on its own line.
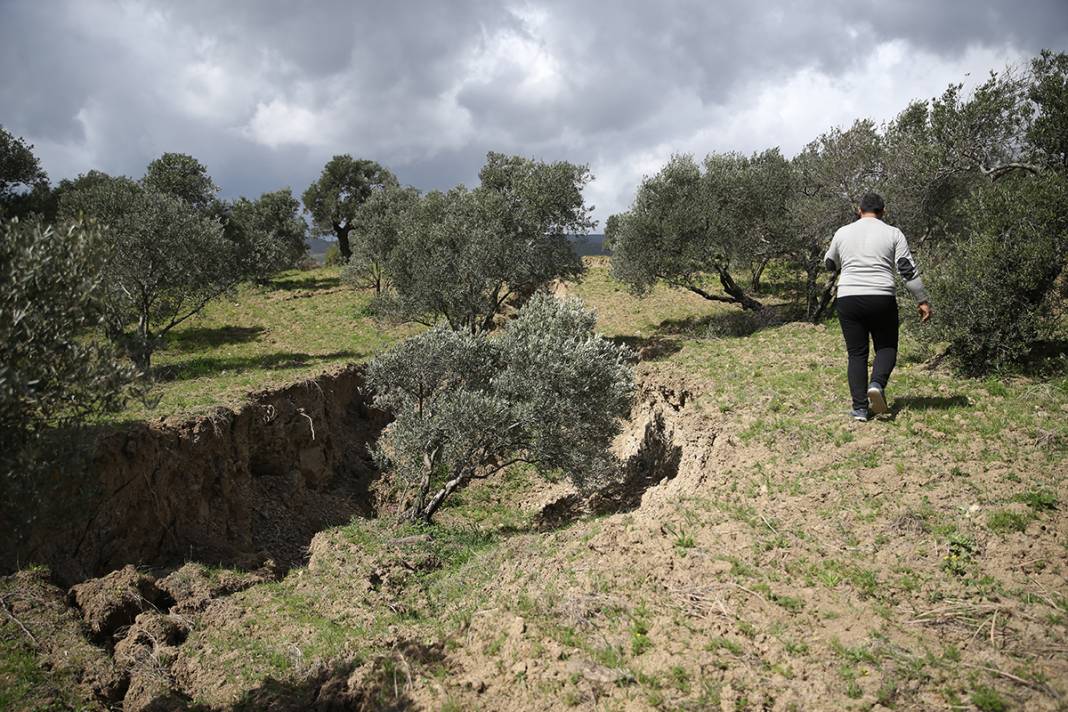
(977,181)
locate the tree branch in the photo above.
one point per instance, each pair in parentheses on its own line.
(1001,170)
(16,621)
(706,295)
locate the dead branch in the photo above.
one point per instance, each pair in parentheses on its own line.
(16,621)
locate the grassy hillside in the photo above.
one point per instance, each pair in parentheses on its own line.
(263,336)
(304,321)
(796,559)
(804,561)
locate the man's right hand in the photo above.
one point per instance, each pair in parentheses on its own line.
(925,312)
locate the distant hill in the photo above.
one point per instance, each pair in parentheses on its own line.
(585,245)
(592,244)
(317,248)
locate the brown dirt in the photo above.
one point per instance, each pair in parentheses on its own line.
(725,584)
(232,487)
(37,615)
(111,603)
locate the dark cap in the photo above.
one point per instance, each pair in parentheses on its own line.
(872,203)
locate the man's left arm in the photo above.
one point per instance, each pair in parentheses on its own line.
(910,273)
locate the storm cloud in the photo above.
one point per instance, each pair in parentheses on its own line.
(265,92)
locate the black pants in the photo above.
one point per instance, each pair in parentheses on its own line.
(863,316)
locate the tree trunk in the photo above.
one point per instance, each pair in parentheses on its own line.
(754,281)
(416,511)
(342,233)
(141,356)
(737,293)
(437,500)
(825,299)
(811,295)
(141,347)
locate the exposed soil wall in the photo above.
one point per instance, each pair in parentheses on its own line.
(231,487)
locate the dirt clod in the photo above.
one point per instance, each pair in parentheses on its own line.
(151,692)
(110,603)
(194,586)
(153,637)
(59,642)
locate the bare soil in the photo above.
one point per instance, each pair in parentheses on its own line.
(234,487)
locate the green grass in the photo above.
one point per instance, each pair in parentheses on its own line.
(24,683)
(261,337)
(987,699)
(1038,500)
(1005,520)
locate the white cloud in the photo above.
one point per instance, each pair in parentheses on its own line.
(278,122)
(264,96)
(791,111)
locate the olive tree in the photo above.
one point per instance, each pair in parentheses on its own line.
(971,178)
(832,172)
(164,260)
(376,233)
(184,177)
(269,233)
(53,374)
(467,256)
(344,185)
(685,227)
(22,180)
(994,281)
(547,391)
(938,151)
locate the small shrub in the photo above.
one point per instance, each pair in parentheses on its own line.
(987,699)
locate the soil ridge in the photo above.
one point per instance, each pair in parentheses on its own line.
(235,487)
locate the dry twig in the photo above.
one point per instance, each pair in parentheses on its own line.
(16,621)
(1041,687)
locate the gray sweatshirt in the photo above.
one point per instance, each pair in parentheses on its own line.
(866,252)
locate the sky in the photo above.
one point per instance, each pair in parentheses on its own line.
(264,92)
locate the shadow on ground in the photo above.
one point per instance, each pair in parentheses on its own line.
(311,282)
(380,684)
(197,338)
(649,348)
(735,323)
(209,366)
(1047,359)
(929,403)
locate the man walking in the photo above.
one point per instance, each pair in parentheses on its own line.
(866,252)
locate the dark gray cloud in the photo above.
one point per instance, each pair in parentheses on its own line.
(265,92)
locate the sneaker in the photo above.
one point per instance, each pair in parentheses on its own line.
(877,399)
(860,414)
